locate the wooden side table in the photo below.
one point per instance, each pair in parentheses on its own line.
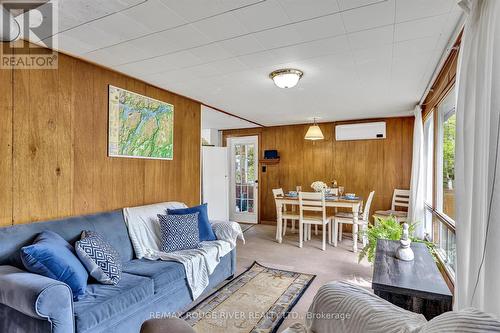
(415,285)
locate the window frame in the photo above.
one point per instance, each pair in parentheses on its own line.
(438,217)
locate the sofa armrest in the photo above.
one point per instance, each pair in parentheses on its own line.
(37,296)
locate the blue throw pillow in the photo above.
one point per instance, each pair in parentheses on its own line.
(204,226)
(99,257)
(51,256)
(179,232)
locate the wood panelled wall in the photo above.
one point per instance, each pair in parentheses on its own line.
(53,146)
(361,166)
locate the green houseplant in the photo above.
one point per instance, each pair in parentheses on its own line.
(387,228)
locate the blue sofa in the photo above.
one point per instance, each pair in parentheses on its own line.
(34,303)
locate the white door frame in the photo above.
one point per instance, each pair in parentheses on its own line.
(244,217)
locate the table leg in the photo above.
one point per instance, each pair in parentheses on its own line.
(355,213)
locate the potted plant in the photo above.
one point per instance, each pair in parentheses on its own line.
(387,228)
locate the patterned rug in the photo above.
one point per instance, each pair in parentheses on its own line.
(245,226)
(256,301)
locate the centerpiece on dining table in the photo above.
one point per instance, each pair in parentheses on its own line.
(319,186)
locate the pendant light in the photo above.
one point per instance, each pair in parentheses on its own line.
(314,132)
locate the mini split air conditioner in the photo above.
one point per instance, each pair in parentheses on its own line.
(360,131)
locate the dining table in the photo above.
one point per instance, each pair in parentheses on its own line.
(354,204)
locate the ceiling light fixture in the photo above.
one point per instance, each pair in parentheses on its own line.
(286,78)
(314,132)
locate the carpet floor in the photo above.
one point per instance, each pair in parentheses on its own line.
(338,263)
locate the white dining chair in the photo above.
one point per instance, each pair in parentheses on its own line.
(286,215)
(313,202)
(348,218)
(400,198)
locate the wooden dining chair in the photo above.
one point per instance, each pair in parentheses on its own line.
(313,202)
(400,198)
(299,189)
(348,218)
(286,215)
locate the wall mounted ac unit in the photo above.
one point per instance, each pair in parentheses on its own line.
(361,131)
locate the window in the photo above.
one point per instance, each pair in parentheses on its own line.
(244,177)
(428,171)
(439,156)
(446,149)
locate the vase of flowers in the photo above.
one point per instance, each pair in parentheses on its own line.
(319,186)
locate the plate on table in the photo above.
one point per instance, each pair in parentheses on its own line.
(345,197)
(291,194)
(331,197)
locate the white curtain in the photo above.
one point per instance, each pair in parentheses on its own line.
(416,209)
(477,171)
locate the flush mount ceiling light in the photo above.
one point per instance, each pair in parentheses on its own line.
(314,132)
(286,78)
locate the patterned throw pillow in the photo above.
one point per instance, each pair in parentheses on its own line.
(179,232)
(99,257)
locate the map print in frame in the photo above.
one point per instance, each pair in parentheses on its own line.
(139,126)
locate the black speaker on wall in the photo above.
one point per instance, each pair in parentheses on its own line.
(271,154)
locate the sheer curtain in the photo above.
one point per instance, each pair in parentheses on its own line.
(416,209)
(477,169)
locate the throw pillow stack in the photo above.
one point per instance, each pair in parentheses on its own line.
(52,256)
(185,228)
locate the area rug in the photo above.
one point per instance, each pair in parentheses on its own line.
(246,226)
(257,301)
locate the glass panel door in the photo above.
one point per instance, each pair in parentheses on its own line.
(244,166)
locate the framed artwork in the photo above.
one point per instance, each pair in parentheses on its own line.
(139,126)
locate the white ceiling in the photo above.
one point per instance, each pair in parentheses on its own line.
(361,58)
(213,119)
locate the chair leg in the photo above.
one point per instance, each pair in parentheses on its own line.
(340,232)
(329,228)
(364,237)
(354,237)
(335,233)
(309,232)
(316,230)
(301,233)
(324,237)
(293,226)
(277,230)
(285,224)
